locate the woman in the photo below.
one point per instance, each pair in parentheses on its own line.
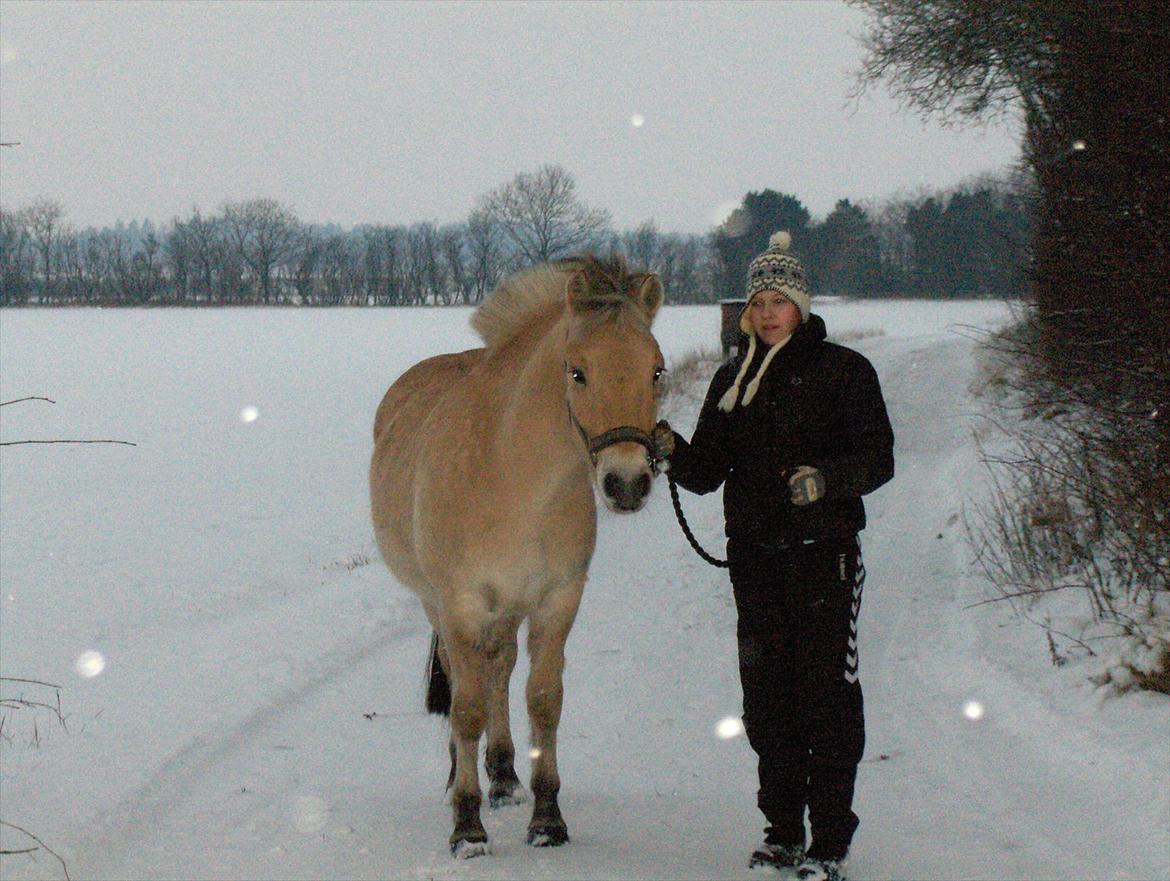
(796,446)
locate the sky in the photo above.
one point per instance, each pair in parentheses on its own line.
(380,112)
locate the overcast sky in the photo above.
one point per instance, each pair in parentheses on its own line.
(403,112)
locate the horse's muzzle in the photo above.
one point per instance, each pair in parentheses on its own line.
(626,493)
(625,483)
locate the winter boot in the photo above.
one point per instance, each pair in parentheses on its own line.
(812,869)
(778,856)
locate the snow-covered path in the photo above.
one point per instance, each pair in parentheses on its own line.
(260,713)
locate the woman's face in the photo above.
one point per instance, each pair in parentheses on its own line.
(773,316)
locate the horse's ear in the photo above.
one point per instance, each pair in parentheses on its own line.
(650,295)
(577,292)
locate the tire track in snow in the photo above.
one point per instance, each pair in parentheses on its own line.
(121,833)
(960,797)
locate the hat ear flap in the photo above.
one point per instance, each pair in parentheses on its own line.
(745,320)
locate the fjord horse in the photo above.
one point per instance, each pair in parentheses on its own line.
(482,496)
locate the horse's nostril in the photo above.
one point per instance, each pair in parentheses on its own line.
(642,486)
(626,494)
(612,485)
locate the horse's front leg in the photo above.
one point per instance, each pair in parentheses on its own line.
(468,716)
(548,629)
(500,758)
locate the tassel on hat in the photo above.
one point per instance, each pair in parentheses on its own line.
(774,270)
(727,402)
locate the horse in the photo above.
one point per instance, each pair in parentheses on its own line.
(482,497)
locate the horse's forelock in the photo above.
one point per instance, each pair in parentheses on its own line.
(610,287)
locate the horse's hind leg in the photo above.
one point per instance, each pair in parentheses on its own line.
(500,757)
(548,629)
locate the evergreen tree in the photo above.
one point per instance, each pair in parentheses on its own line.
(844,258)
(746,231)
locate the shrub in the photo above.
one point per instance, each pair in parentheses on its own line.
(1077,505)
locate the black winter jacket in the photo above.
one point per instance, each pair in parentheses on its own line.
(818,404)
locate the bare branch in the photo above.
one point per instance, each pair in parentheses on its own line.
(64,868)
(18,443)
(28,681)
(31,398)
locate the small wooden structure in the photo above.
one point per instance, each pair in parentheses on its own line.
(731,338)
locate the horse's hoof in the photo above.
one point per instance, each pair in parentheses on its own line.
(502,797)
(548,835)
(467,848)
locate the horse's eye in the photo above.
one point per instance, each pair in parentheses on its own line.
(658,371)
(578,375)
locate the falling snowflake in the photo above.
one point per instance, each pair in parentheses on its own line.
(90,664)
(729,728)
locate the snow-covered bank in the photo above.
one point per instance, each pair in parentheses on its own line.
(258,714)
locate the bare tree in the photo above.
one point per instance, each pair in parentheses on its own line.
(213,258)
(177,256)
(678,265)
(967,58)
(453,245)
(342,276)
(434,274)
(119,258)
(70,266)
(417,257)
(541,215)
(15,254)
(265,234)
(641,246)
(487,253)
(43,218)
(384,264)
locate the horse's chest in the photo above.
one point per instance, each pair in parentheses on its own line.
(524,548)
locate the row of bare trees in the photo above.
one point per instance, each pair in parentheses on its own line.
(970,242)
(259,252)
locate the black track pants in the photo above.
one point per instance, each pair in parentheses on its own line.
(802,699)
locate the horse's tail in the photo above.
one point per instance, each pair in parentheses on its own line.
(438,685)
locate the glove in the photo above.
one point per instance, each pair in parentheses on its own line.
(807,485)
(663,436)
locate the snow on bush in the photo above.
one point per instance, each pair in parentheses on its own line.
(1067,530)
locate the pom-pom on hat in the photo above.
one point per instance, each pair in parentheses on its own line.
(777,269)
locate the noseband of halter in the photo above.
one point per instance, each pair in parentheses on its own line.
(618,435)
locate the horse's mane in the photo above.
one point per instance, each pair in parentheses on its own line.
(533,293)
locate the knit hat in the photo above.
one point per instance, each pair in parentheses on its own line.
(774,270)
(778,270)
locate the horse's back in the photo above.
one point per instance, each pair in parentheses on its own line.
(415,393)
(398,439)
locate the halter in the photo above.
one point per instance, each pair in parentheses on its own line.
(618,435)
(629,433)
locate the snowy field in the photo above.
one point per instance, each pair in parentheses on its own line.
(242,680)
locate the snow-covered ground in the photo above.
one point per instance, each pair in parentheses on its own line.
(257,713)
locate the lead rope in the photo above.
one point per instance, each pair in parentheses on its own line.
(682,521)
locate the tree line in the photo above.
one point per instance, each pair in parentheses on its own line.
(969,242)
